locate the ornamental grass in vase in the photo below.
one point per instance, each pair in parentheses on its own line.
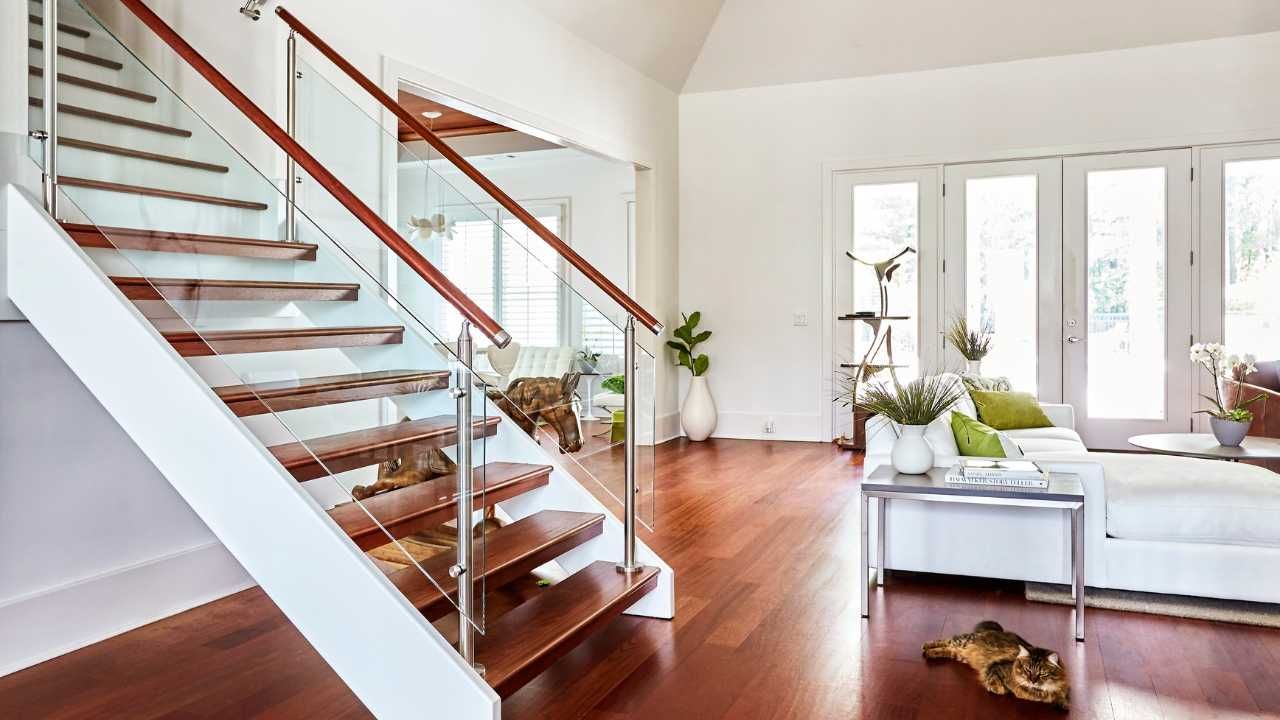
(911,407)
(1230,425)
(973,344)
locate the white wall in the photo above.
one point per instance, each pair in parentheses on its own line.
(753,161)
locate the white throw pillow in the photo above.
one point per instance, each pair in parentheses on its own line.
(1011,448)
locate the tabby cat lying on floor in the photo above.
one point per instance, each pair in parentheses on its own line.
(1007,664)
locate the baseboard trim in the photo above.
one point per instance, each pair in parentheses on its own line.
(54,621)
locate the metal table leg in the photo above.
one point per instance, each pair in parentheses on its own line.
(1077,567)
(880,513)
(862,585)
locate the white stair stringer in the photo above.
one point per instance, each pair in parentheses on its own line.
(379,644)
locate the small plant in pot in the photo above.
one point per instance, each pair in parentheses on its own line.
(911,407)
(1228,418)
(973,344)
(698,416)
(587,359)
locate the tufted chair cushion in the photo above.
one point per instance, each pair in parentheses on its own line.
(543,362)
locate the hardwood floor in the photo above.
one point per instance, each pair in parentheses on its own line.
(763,539)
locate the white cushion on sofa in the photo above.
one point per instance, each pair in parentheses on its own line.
(1049,439)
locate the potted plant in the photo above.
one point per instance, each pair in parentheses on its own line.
(587,360)
(973,344)
(1229,425)
(698,416)
(911,407)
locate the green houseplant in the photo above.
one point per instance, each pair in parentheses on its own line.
(698,415)
(1230,425)
(973,344)
(911,407)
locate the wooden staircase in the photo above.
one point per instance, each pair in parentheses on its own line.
(516,646)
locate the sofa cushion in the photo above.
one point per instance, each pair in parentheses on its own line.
(975,439)
(1009,410)
(1046,439)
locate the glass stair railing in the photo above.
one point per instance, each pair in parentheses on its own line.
(359,381)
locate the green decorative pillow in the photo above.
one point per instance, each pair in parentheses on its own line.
(974,438)
(1009,410)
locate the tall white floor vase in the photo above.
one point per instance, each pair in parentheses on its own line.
(698,416)
(911,452)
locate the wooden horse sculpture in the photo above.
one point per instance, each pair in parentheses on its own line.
(529,400)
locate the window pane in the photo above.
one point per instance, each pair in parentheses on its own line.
(886,218)
(467,259)
(1000,273)
(1126,293)
(530,296)
(1252,257)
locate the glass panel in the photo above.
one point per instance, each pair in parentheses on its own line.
(552,380)
(1126,293)
(334,374)
(886,219)
(1252,257)
(1000,273)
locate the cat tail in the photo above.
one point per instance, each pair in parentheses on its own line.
(988,626)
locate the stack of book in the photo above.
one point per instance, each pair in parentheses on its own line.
(993,471)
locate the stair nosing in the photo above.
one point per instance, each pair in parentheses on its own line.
(201,342)
(108,186)
(113,119)
(86,83)
(142,155)
(84,57)
(251,399)
(107,233)
(148,288)
(62,27)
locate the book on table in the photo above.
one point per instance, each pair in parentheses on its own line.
(998,471)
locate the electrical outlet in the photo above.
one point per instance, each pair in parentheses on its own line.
(769,426)
(800,319)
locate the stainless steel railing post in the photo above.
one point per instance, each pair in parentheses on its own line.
(629,564)
(49,131)
(464,569)
(291,126)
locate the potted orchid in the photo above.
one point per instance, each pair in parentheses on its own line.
(1229,424)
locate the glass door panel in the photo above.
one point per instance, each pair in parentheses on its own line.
(1128,303)
(1003,266)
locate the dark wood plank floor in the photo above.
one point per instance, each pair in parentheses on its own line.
(762,537)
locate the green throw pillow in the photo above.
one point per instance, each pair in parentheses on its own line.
(974,438)
(1009,410)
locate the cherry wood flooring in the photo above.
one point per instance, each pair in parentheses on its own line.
(763,538)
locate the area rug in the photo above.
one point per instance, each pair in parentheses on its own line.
(1232,611)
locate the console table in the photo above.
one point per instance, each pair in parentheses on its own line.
(885,484)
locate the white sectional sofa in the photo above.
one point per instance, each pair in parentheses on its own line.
(1152,523)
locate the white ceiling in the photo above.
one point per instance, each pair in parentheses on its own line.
(700,45)
(660,38)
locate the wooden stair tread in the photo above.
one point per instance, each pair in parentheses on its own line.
(524,642)
(431,504)
(259,398)
(190,343)
(161,193)
(509,552)
(180,242)
(94,85)
(142,155)
(113,118)
(334,454)
(77,55)
(142,288)
(62,27)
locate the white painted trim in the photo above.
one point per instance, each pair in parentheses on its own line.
(267,520)
(76,614)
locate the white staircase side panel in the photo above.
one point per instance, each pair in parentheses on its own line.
(384,650)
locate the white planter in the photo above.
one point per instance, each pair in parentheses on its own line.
(973,367)
(1229,433)
(698,416)
(911,452)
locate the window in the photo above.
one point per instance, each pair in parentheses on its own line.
(510,272)
(1251,256)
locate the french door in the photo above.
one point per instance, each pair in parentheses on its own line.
(1127,294)
(1003,267)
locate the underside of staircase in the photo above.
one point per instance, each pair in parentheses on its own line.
(515,646)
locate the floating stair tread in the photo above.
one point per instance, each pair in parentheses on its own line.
(431,504)
(259,398)
(113,118)
(191,343)
(142,155)
(62,27)
(161,193)
(141,288)
(180,242)
(524,642)
(95,85)
(320,456)
(77,55)
(509,552)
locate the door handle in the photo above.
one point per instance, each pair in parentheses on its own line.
(1073,339)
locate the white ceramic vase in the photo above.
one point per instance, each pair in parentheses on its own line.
(698,416)
(973,368)
(911,452)
(1229,433)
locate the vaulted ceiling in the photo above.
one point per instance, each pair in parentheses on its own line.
(702,45)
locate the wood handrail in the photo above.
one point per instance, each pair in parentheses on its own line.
(644,317)
(370,219)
